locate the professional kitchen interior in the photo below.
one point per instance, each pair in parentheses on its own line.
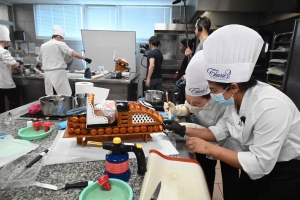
(106,137)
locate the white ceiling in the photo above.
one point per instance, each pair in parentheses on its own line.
(98,2)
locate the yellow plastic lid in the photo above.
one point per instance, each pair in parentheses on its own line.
(117,140)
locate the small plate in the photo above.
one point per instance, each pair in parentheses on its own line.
(29,133)
(120,190)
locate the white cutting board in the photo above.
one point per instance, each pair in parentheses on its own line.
(66,150)
(180,179)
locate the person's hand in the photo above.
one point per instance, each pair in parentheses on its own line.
(174,126)
(148,83)
(184,77)
(88,60)
(197,145)
(20,62)
(188,52)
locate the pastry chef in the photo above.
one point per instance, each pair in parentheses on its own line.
(52,57)
(208,113)
(7,62)
(261,118)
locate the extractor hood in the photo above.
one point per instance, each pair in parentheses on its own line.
(196,8)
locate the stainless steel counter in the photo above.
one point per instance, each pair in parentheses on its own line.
(32,87)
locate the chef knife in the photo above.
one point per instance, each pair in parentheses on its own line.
(67,186)
(30,164)
(156,192)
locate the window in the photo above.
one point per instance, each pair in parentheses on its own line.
(68,17)
(126,18)
(101,17)
(4,12)
(142,19)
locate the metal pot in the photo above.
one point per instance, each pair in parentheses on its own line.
(154,96)
(56,105)
(80,100)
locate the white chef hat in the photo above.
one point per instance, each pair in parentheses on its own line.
(57,30)
(230,54)
(4,33)
(196,84)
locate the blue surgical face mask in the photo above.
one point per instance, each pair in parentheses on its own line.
(219,98)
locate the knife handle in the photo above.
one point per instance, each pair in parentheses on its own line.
(77,185)
(37,158)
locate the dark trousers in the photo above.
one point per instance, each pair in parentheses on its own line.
(281,184)
(230,176)
(155,84)
(12,96)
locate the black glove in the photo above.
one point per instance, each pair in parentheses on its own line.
(174,126)
(88,60)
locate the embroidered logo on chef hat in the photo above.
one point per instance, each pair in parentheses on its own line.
(230,54)
(4,33)
(196,84)
(57,30)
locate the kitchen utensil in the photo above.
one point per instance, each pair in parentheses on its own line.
(120,190)
(56,105)
(80,100)
(29,133)
(9,120)
(29,165)
(167,96)
(116,74)
(118,156)
(156,192)
(148,105)
(77,111)
(10,170)
(154,96)
(66,187)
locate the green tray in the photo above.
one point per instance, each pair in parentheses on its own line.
(29,133)
(120,190)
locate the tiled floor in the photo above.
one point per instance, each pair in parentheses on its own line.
(218,189)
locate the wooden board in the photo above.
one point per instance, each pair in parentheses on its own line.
(107,137)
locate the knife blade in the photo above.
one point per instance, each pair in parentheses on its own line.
(30,164)
(156,192)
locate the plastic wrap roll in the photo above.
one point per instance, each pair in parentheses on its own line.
(83,87)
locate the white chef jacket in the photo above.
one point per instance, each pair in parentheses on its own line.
(52,54)
(210,116)
(270,134)
(6,62)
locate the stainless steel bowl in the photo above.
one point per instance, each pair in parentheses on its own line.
(80,100)
(56,105)
(154,96)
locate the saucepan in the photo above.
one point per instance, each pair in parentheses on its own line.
(154,96)
(80,100)
(56,105)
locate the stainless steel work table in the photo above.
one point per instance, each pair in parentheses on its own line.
(32,87)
